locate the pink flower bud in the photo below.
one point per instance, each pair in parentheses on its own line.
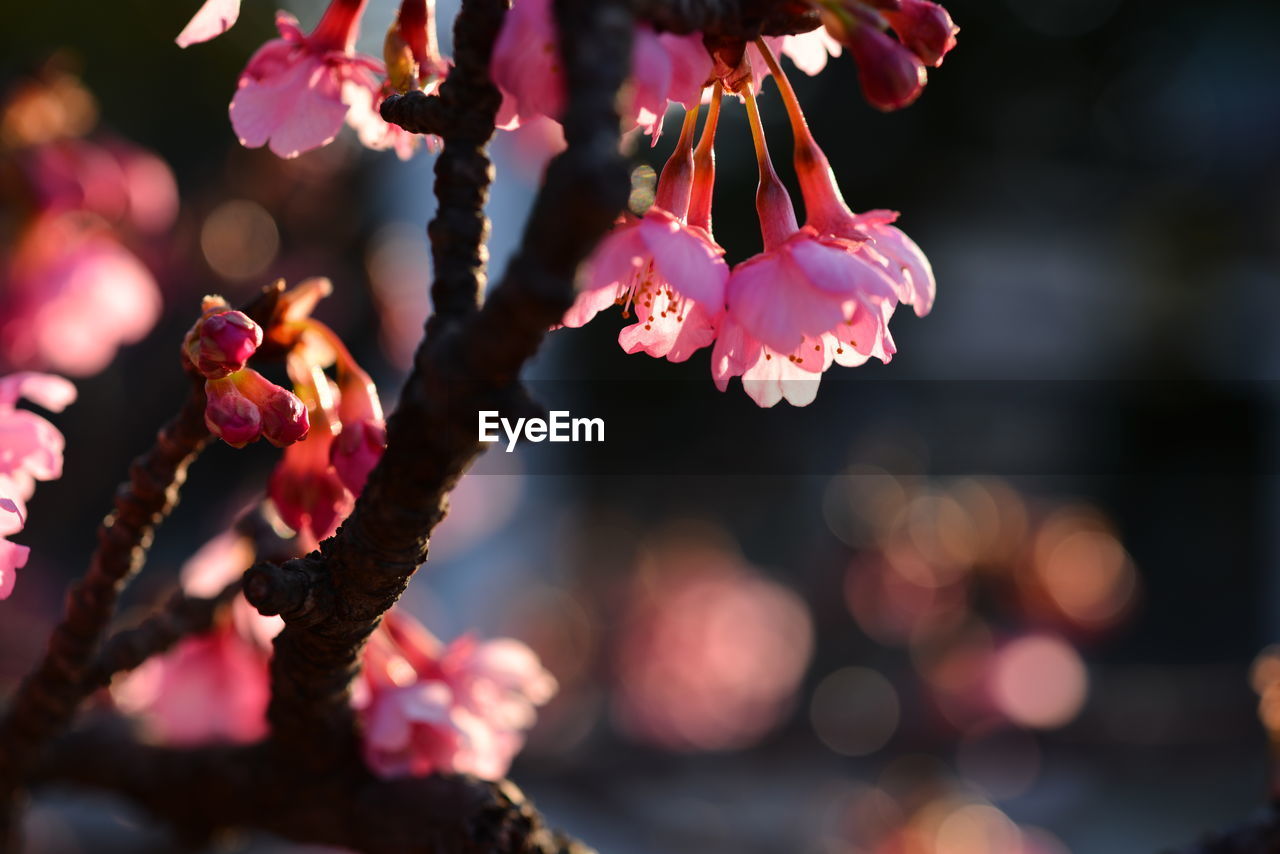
(221,342)
(284,416)
(925,28)
(891,75)
(230,415)
(356,450)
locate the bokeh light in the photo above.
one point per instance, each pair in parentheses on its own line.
(1039,681)
(855,711)
(239,239)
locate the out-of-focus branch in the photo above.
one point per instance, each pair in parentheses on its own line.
(202,790)
(48,698)
(179,617)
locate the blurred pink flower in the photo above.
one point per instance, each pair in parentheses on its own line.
(461,708)
(114,179)
(924,27)
(290,95)
(75,296)
(12,556)
(213,19)
(30,447)
(710,652)
(213,687)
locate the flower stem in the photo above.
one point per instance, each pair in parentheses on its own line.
(773,204)
(704,164)
(676,182)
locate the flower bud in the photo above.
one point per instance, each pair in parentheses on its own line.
(925,28)
(356,450)
(891,75)
(229,414)
(284,416)
(221,342)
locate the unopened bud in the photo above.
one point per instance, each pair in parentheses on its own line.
(891,75)
(925,28)
(221,342)
(284,416)
(230,415)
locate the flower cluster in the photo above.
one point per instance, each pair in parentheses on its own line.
(242,404)
(821,293)
(30,450)
(298,90)
(332,430)
(73,292)
(461,707)
(425,706)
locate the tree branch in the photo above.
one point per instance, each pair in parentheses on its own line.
(180,616)
(467,365)
(206,789)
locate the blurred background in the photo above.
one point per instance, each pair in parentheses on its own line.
(1000,596)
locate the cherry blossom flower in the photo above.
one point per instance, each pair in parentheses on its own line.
(290,95)
(796,307)
(213,19)
(30,447)
(30,451)
(13,557)
(215,686)
(74,296)
(829,215)
(671,273)
(526,66)
(460,708)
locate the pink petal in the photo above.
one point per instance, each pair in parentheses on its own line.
(836,267)
(30,444)
(588,304)
(13,514)
(651,78)
(774,378)
(47,390)
(13,557)
(296,108)
(810,51)
(734,353)
(690,67)
(214,18)
(774,302)
(686,260)
(909,266)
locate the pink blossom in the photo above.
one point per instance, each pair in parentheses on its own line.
(30,447)
(829,216)
(115,180)
(670,272)
(526,66)
(290,95)
(461,708)
(12,556)
(306,489)
(363,437)
(795,308)
(74,296)
(891,75)
(213,19)
(710,652)
(211,687)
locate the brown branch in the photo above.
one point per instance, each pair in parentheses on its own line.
(47,699)
(417,112)
(460,368)
(203,790)
(179,617)
(463,171)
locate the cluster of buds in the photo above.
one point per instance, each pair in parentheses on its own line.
(242,404)
(892,72)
